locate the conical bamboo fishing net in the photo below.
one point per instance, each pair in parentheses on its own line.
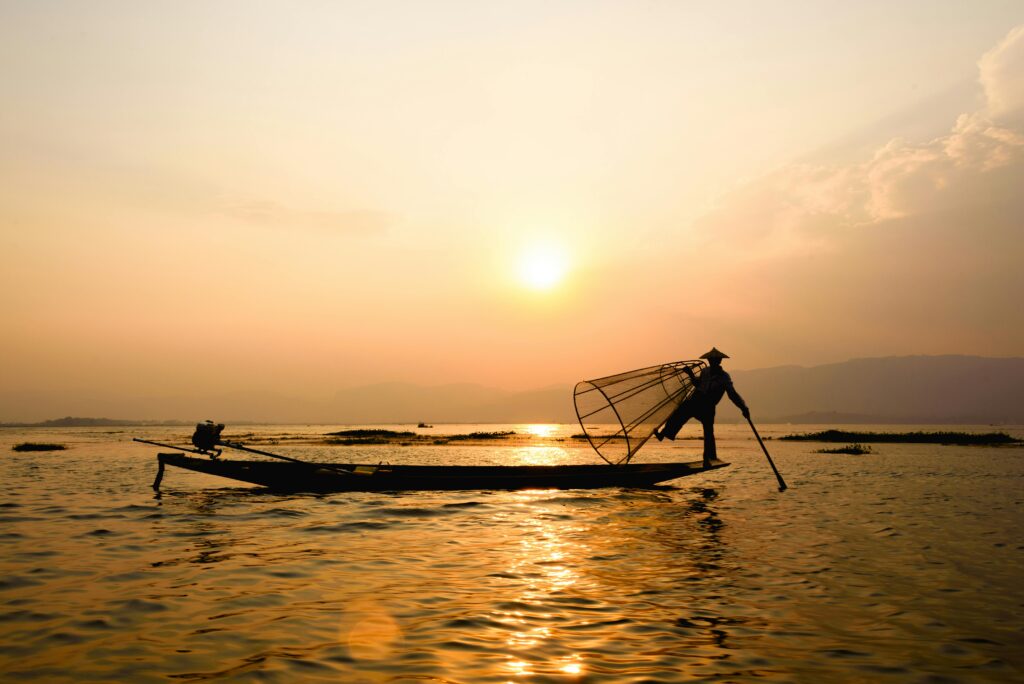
(620,412)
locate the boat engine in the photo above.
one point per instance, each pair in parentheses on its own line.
(207,435)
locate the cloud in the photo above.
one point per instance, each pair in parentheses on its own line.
(1001,72)
(906,179)
(912,249)
(805,202)
(275,215)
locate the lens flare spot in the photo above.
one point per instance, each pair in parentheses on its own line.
(369,631)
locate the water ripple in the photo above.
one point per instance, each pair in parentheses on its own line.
(897,567)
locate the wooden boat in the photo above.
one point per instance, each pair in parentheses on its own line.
(299,476)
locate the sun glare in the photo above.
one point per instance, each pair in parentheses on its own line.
(542,266)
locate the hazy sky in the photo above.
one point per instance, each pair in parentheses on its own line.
(303,196)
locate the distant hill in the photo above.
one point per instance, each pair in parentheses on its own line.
(907,389)
(903,389)
(70,421)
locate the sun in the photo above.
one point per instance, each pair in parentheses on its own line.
(542,266)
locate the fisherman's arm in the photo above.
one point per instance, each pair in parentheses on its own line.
(737,399)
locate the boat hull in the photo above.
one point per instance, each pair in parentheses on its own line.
(350,477)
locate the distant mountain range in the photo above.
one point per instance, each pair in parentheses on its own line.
(72,421)
(908,389)
(904,389)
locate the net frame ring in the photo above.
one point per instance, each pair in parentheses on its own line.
(635,429)
(587,387)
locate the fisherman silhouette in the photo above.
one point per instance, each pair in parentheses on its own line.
(709,387)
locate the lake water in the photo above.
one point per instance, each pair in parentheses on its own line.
(904,565)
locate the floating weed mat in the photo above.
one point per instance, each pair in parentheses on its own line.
(481,435)
(851,449)
(363,433)
(363,436)
(38,446)
(958,438)
(350,441)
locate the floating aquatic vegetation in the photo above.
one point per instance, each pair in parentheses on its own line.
(362,436)
(958,438)
(363,433)
(851,449)
(481,435)
(38,446)
(353,441)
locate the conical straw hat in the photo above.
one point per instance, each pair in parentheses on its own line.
(714,354)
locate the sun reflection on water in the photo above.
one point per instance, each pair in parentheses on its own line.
(542,429)
(573,668)
(520,668)
(547,555)
(540,455)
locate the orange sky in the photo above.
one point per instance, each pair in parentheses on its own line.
(298,198)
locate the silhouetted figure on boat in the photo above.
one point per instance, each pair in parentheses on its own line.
(207,436)
(709,387)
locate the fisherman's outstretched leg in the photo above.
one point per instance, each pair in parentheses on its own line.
(674,423)
(710,450)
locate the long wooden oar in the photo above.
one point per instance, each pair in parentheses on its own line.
(326,466)
(778,476)
(240,447)
(177,447)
